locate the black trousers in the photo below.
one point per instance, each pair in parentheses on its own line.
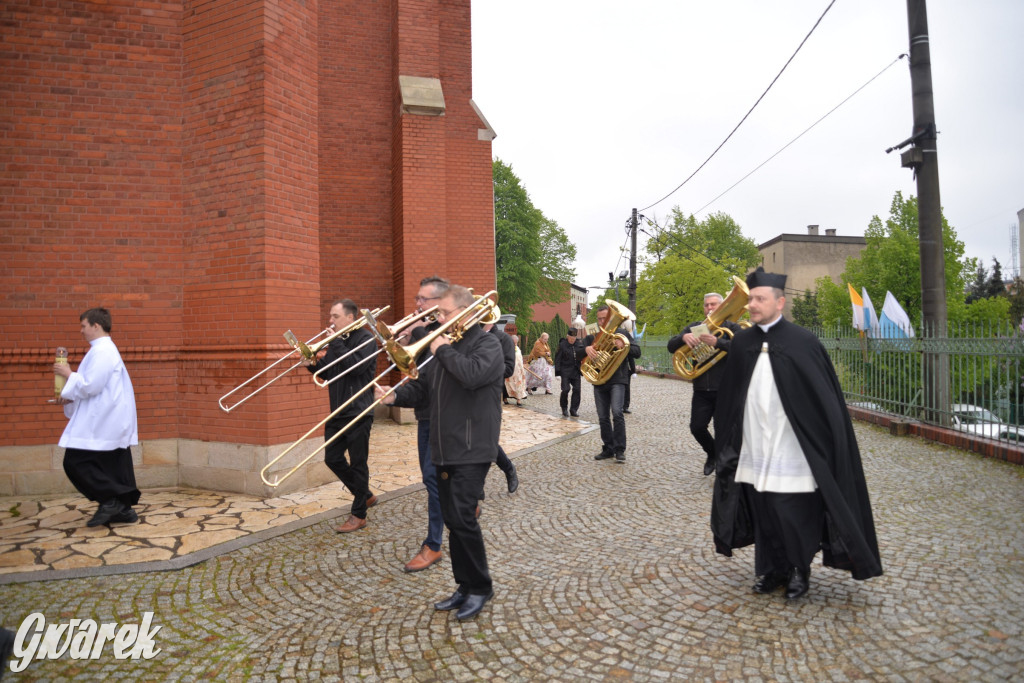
(787,529)
(702,409)
(354,472)
(608,399)
(460,487)
(101,476)
(570,383)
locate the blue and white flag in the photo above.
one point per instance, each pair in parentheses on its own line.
(870,318)
(894,323)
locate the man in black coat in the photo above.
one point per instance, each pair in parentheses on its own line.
(609,397)
(463,387)
(790,478)
(705,386)
(344,356)
(568,357)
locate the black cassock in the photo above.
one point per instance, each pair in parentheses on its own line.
(814,404)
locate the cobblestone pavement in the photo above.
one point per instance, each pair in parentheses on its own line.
(46,539)
(602,572)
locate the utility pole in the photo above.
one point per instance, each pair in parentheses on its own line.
(923,158)
(632,262)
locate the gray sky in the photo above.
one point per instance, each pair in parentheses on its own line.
(601,107)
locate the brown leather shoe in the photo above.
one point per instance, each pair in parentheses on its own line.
(353,524)
(425,558)
(371,501)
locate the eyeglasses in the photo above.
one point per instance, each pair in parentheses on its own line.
(424,299)
(449,314)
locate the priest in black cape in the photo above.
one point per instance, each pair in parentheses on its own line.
(789,474)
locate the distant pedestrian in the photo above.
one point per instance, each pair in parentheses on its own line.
(515,385)
(568,357)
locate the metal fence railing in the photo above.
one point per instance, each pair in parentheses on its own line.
(985,364)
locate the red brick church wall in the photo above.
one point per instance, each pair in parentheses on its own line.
(216,173)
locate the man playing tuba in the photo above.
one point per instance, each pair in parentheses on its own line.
(610,394)
(705,386)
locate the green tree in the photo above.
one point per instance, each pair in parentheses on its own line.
(805,309)
(1015,296)
(995,286)
(685,261)
(532,254)
(979,285)
(891,261)
(834,307)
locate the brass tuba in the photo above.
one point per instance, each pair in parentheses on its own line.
(610,357)
(692,363)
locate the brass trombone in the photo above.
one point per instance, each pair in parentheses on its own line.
(307,349)
(391,330)
(403,358)
(228,408)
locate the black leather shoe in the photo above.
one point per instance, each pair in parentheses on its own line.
(565,413)
(513,480)
(128,516)
(627,411)
(709,465)
(451,603)
(472,606)
(604,455)
(799,582)
(574,414)
(106,512)
(769,583)
(620,457)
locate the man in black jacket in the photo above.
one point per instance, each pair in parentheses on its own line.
(705,387)
(431,290)
(568,357)
(609,397)
(463,386)
(353,473)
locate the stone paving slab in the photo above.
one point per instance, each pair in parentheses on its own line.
(47,539)
(603,572)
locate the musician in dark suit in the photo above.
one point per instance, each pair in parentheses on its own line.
(609,396)
(705,387)
(568,357)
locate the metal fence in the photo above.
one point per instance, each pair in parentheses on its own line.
(985,364)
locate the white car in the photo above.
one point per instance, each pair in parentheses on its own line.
(983,422)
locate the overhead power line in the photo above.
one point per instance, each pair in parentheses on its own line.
(806,130)
(784,66)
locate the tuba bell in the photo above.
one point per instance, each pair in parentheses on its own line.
(692,363)
(610,357)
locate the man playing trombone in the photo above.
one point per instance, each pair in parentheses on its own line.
(462,385)
(347,368)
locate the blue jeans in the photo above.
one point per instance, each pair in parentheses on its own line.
(608,399)
(435,522)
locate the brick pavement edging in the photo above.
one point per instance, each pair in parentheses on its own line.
(897,426)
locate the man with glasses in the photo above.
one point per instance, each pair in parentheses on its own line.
(462,385)
(431,290)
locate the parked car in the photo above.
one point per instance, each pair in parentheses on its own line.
(983,422)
